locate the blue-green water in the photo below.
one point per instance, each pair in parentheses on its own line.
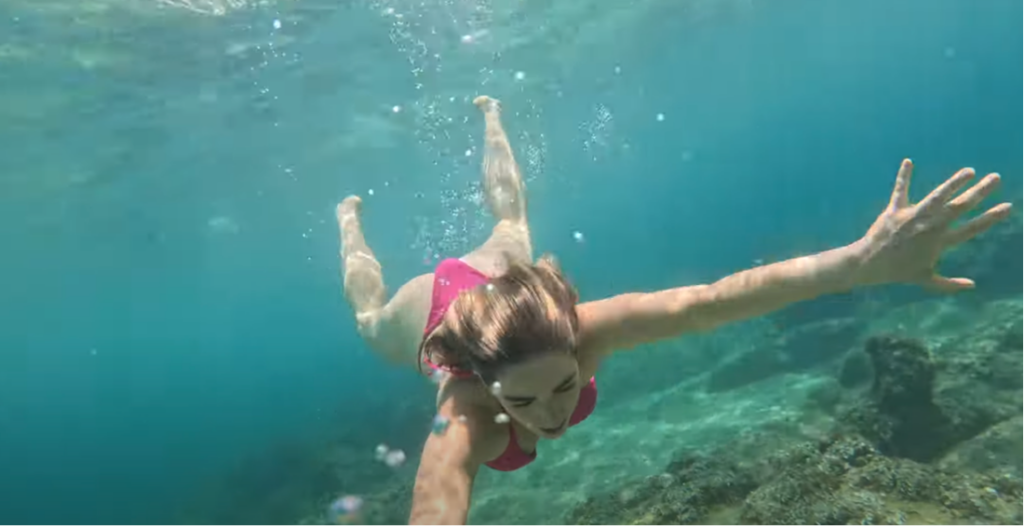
(169,277)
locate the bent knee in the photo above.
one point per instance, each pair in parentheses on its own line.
(368,325)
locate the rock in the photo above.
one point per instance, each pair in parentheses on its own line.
(996,450)
(836,481)
(802,348)
(856,370)
(917,412)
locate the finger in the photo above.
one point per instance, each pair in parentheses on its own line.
(974,196)
(979,225)
(944,192)
(945,285)
(901,193)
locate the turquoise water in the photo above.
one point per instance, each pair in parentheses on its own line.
(175,342)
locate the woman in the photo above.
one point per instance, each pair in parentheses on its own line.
(518,353)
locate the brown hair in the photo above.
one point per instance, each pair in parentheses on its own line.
(529,310)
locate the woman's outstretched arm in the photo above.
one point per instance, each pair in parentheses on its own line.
(903,246)
(451,458)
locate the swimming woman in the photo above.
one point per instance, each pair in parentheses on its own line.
(516,352)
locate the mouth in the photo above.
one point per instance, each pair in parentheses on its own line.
(555,430)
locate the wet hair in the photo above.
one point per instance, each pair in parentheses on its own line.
(528,311)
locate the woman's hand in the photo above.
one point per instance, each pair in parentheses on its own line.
(905,243)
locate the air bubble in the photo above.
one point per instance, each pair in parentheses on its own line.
(660,117)
(440,425)
(578,237)
(345,510)
(395,459)
(502,418)
(277,24)
(496,389)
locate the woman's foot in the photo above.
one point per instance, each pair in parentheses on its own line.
(349,210)
(488,104)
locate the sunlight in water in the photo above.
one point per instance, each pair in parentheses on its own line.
(207,7)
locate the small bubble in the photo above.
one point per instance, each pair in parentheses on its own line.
(578,237)
(370,192)
(396,109)
(469,152)
(389,11)
(467,39)
(490,288)
(440,425)
(502,418)
(92,352)
(277,24)
(687,156)
(660,117)
(496,389)
(618,70)
(380,452)
(437,376)
(520,76)
(395,459)
(462,419)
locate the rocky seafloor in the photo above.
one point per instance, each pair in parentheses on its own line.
(929,439)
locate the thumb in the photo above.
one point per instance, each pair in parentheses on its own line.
(945,285)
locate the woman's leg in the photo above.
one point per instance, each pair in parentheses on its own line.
(392,330)
(506,196)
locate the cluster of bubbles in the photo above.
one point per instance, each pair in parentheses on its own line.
(598,131)
(427,35)
(391,458)
(345,510)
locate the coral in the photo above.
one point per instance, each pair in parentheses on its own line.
(901,417)
(684,494)
(837,480)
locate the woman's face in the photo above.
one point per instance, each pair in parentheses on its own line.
(541,393)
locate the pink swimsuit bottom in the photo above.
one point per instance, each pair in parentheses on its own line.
(451,277)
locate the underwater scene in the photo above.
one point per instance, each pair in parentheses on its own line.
(232,294)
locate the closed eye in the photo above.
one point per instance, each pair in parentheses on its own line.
(520,403)
(566,385)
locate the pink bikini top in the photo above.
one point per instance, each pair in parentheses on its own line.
(451,277)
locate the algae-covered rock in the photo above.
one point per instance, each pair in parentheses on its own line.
(919,408)
(838,480)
